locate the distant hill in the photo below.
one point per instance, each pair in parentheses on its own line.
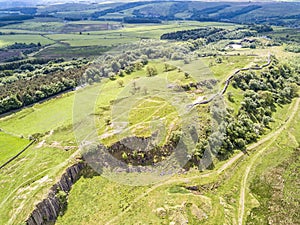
(265,12)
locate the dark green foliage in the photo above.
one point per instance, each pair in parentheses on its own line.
(151,71)
(22,10)
(63,199)
(210,34)
(17,51)
(279,80)
(16,18)
(17,45)
(27,90)
(27,66)
(203,15)
(118,8)
(16,65)
(140,20)
(191,34)
(27,82)
(260,28)
(230,15)
(263,91)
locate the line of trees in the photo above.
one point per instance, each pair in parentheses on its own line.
(26,91)
(210,34)
(27,82)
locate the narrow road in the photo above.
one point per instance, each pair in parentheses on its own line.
(272,136)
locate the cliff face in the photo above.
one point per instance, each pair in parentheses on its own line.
(47,211)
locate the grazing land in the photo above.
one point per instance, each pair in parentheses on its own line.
(149,113)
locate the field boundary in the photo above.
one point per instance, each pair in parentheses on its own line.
(17,155)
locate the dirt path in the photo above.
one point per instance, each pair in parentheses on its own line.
(227,82)
(224,167)
(272,136)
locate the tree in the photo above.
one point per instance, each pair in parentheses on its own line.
(129,69)
(138,65)
(111,75)
(120,83)
(230,96)
(187,75)
(115,66)
(166,67)
(240,144)
(90,81)
(124,156)
(144,59)
(27,66)
(219,60)
(151,71)
(121,73)
(35,136)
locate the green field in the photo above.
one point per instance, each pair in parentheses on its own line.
(29,178)
(10,146)
(36,26)
(239,187)
(24,38)
(2,44)
(66,40)
(170,201)
(279,163)
(130,33)
(57,111)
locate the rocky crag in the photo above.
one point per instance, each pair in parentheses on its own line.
(47,211)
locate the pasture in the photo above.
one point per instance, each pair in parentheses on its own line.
(10,145)
(144,105)
(129,33)
(29,178)
(170,200)
(24,38)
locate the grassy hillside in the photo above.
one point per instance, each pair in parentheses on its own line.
(10,146)
(153,87)
(213,199)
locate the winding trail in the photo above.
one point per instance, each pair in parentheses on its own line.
(227,82)
(224,167)
(241,210)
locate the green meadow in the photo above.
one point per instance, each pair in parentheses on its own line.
(10,145)
(24,38)
(240,189)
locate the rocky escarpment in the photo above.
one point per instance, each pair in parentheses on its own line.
(47,211)
(139,151)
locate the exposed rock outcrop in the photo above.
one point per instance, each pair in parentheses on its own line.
(47,211)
